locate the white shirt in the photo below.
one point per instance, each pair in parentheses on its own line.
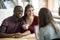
(36,31)
(48,32)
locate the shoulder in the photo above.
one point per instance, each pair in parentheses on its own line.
(36,20)
(7,19)
(36,17)
(23,18)
(47,28)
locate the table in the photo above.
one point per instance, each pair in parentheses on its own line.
(28,37)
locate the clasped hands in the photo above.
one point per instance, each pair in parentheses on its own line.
(17,35)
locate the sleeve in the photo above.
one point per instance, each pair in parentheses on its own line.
(31,28)
(36,20)
(21,26)
(3,27)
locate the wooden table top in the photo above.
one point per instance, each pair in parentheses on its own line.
(28,37)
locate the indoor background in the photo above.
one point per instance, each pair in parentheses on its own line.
(7,6)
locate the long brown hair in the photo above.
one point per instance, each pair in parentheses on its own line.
(59,11)
(45,17)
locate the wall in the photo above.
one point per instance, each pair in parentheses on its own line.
(35,4)
(4,13)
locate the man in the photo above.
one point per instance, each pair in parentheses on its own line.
(10,26)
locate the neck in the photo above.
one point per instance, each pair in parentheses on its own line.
(29,20)
(30,17)
(15,18)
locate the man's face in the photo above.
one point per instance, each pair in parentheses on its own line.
(18,12)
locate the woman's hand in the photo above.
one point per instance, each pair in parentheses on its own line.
(25,26)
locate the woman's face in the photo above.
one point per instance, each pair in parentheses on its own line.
(30,11)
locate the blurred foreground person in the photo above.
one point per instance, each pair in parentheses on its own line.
(48,28)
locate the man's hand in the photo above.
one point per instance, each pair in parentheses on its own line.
(18,35)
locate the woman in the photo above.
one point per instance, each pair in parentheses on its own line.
(48,28)
(29,20)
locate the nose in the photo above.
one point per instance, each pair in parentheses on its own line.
(30,11)
(20,15)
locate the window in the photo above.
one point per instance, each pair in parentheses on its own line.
(55,8)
